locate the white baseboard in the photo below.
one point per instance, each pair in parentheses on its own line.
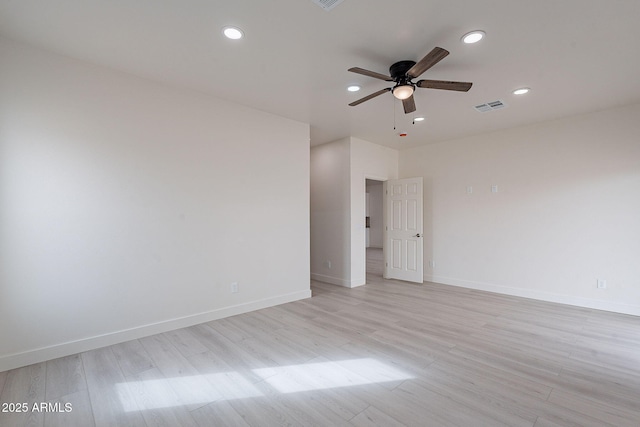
(18,360)
(615,307)
(329,279)
(337,280)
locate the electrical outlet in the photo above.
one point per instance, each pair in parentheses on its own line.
(234,288)
(432,263)
(327,264)
(602,284)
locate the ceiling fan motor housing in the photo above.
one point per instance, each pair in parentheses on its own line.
(399,70)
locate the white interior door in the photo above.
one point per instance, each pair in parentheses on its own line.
(403,245)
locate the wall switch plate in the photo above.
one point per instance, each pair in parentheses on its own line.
(494,188)
(469,190)
(234,288)
(432,263)
(602,284)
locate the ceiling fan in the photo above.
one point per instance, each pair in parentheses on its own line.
(403,72)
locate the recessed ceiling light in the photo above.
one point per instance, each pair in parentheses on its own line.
(418,119)
(521,91)
(353,88)
(233,33)
(473,37)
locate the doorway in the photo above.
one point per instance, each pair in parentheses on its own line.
(374,226)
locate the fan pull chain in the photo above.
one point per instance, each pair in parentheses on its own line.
(394,114)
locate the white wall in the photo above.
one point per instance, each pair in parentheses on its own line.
(330,213)
(338,210)
(127,207)
(567,210)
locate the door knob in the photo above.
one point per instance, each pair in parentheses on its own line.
(418,235)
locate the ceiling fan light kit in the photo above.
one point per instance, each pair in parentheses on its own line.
(402,92)
(403,72)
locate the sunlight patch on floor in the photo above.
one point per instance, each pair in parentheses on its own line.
(187,390)
(324,375)
(207,388)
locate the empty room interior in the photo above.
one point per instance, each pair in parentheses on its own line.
(319,213)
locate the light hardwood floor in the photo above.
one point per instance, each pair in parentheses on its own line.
(375,260)
(385,354)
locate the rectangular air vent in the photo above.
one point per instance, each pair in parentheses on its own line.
(327,4)
(490,106)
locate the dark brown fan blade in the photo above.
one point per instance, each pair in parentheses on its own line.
(370,74)
(443,84)
(432,58)
(409,105)
(368,97)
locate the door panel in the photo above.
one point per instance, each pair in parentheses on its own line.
(412,212)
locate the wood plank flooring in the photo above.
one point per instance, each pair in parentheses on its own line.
(385,354)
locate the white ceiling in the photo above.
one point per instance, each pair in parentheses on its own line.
(577,56)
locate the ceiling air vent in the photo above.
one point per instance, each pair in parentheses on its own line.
(327,4)
(490,106)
